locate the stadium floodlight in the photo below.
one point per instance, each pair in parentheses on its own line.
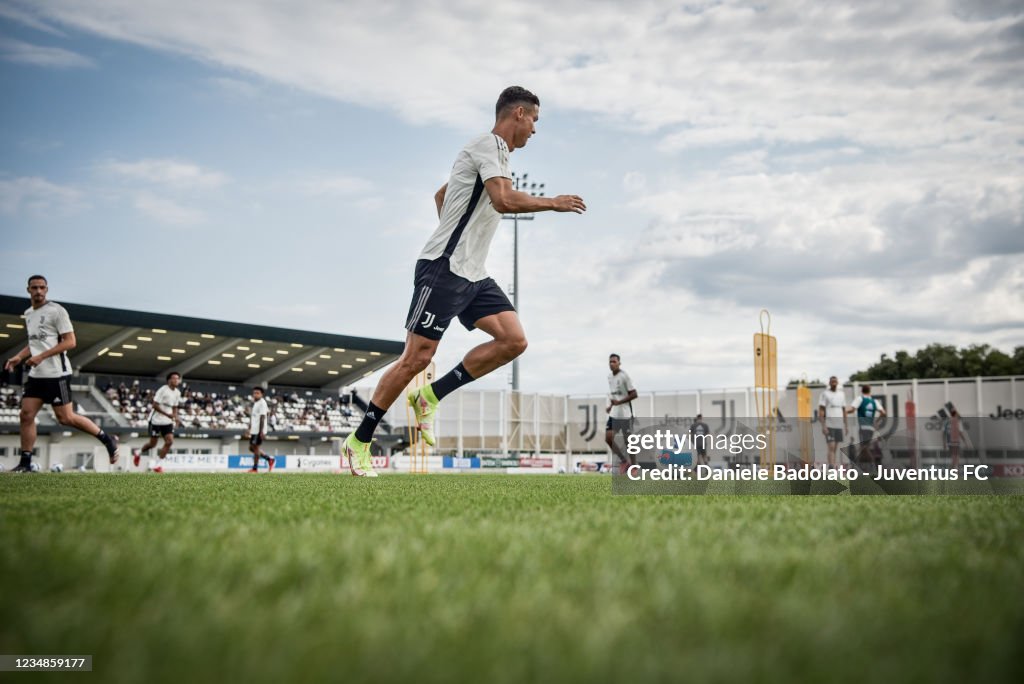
(537,190)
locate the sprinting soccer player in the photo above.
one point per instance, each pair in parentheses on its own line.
(832,414)
(162,420)
(50,337)
(621,394)
(450,279)
(257,431)
(700,435)
(868,411)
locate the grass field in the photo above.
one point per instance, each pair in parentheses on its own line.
(503,579)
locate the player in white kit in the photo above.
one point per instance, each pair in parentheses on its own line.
(162,419)
(259,424)
(451,281)
(621,394)
(832,413)
(50,337)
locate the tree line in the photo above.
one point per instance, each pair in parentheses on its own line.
(945,361)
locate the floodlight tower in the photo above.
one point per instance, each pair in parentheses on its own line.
(521,184)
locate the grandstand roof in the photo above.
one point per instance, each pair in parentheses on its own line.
(124,342)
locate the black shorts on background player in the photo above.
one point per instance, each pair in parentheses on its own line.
(440,295)
(834,435)
(160,430)
(53,391)
(619,424)
(256,440)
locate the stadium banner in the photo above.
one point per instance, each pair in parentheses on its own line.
(585,466)
(533,462)
(229,462)
(244,461)
(499,462)
(463,463)
(331,464)
(194,462)
(315,463)
(945,454)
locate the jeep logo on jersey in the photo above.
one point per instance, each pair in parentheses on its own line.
(428,319)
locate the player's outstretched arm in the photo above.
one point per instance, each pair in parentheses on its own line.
(16,360)
(508,200)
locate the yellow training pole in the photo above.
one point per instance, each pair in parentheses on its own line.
(766,386)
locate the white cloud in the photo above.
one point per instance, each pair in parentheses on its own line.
(34,195)
(21,52)
(713,74)
(27,19)
(167,172)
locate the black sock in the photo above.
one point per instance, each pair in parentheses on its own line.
(26,459)
(456,378)
(364,433)
(105,438)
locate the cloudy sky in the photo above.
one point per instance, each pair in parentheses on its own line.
(855,168)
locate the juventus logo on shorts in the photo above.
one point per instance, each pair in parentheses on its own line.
(428,319)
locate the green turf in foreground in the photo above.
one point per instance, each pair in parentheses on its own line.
(503,579)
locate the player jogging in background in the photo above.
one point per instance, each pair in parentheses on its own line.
(832,413)
(50,337)
(700,436)
(162,419)
(621,394)
(450,280)
(868,410)
(259,421)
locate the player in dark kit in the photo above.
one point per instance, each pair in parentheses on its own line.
(451,281)
(50,337)
(700,436)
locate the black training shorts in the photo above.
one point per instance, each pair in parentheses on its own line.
(623,425)
(161,430)
(53,391)
(440,296)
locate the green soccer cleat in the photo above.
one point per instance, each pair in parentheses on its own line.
(424,403)
(358,455)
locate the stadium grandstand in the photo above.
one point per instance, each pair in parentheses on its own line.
(123,356)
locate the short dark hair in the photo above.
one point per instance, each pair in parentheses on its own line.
(172,373)
(514,96)
(865,389)
(37,277)
(699,416)
(259,389)
(614,356)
